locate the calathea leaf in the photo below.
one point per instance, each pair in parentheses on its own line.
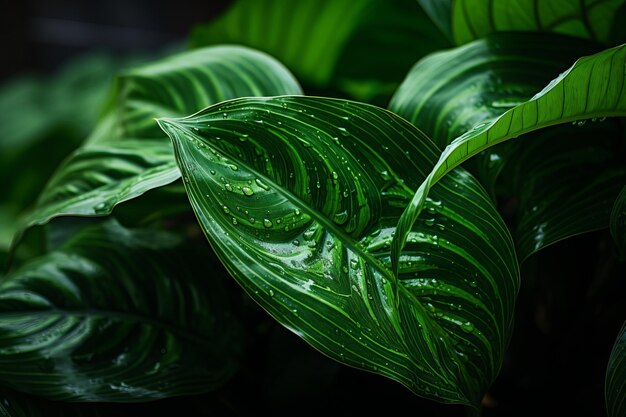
(569,190)
(616,377)
(449,92)
(300,196)
(592,88)
(115,314)
(467,20)
(127,153)
(618,223)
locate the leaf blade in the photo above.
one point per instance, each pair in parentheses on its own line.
(616,377)
(318,261)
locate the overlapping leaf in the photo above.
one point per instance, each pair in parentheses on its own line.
(569,190)
(478,82)
(300,197)
(467,20)
(358,46)
(592,88)
(115,315)
(616,377)
(127,154)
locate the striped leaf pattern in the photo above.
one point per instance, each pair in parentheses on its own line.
(300,196)
(127,154)
(115,315)
(615,388)
(592,88)
(185,83)
(591,19)
(96,178)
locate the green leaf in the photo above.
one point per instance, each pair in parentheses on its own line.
(569,190)
(591,88)
(449,92)
(300,196)
(358,46)
(115,315)
(187,82)
(616,377)
(114,166)
(618,223)
(591,19)
(96,178)
(439,12)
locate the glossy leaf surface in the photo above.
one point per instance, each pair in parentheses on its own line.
(115,166)
(473,19)
(449,92)
(592,88)
(300,197)
(618,223)
(616,377)
(115,315)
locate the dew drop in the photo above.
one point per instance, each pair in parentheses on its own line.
(308,235)
(243,138)
(225,115)
(228,187)
(267,223)
(226,209)
(296,242)
(429,222)
(212,172)
(467,327)
(343,131)
(247,191)
(271,293)
(233,167)
(341,217)
(580,123)
(335,175)
(296,212)
(354,263)
(262,184)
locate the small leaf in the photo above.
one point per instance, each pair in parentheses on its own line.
(115,315)
(615,388)
(591,88)
(299,196)
(618,223)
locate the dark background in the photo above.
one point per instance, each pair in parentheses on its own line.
(38,35)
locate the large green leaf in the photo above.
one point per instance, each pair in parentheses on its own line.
(358,46)
(115,315)
(115,166)
(616,377)
(187,82)
(618,223)
(300,196)
(592,88)
(471,19)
